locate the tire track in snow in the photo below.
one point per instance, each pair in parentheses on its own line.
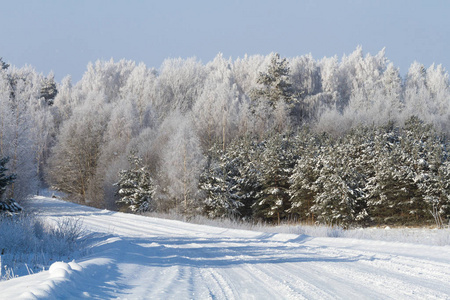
(279,289)
(363,278)
(218,287)
(302,280)
(409,267)
(320,279)
(432,275)
(165,279)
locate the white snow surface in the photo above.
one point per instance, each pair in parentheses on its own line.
(136,257)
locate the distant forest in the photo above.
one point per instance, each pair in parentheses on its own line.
(346,142)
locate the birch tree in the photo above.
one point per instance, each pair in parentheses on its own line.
(182,164)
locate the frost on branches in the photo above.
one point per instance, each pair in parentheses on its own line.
(136,190)
(275,82)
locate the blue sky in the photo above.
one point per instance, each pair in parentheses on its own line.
(64,36)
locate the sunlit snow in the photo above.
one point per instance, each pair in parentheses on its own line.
(137,257)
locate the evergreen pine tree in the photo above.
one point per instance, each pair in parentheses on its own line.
(3,65)
(278,160)
(49,90)
(275,83)
(5,180)
(356,156)
(341,180)
(336,202)
(219,183)
(428,154)
(440,205)
(333,205)
(8,205)
(302,182)
(246,155)
(409,174)
(136,190)
(391,187)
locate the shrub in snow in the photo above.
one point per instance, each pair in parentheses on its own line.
(28,244)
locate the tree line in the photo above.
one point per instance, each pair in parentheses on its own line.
(340,141)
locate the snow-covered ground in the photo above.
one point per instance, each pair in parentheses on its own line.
(136,257)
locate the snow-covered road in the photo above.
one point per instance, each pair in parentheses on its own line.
(137,257)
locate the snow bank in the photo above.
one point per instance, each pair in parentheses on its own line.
(60,270)
(59,282)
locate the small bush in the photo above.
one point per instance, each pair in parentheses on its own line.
(29,244)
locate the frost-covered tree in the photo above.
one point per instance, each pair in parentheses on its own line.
(64,102)
(346,77)
(74,158)
(122,126)
(246,71)
(216,111)
(416,95)
(182,163)
(135,187)
(106,77)
(275,83)
(437,80)
(388,99)
(354,93)
(364,85)
(43,132)
(329,75)
(178,85)
(6,115)
(49,90)
(307,86)
(139,88)
(305,75)
(19,109)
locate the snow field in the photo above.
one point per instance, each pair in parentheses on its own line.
(136,257)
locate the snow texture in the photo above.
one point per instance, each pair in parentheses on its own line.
(136,257)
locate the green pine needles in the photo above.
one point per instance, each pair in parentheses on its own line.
(136,190)
(7,205)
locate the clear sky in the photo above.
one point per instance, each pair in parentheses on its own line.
(64,35)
